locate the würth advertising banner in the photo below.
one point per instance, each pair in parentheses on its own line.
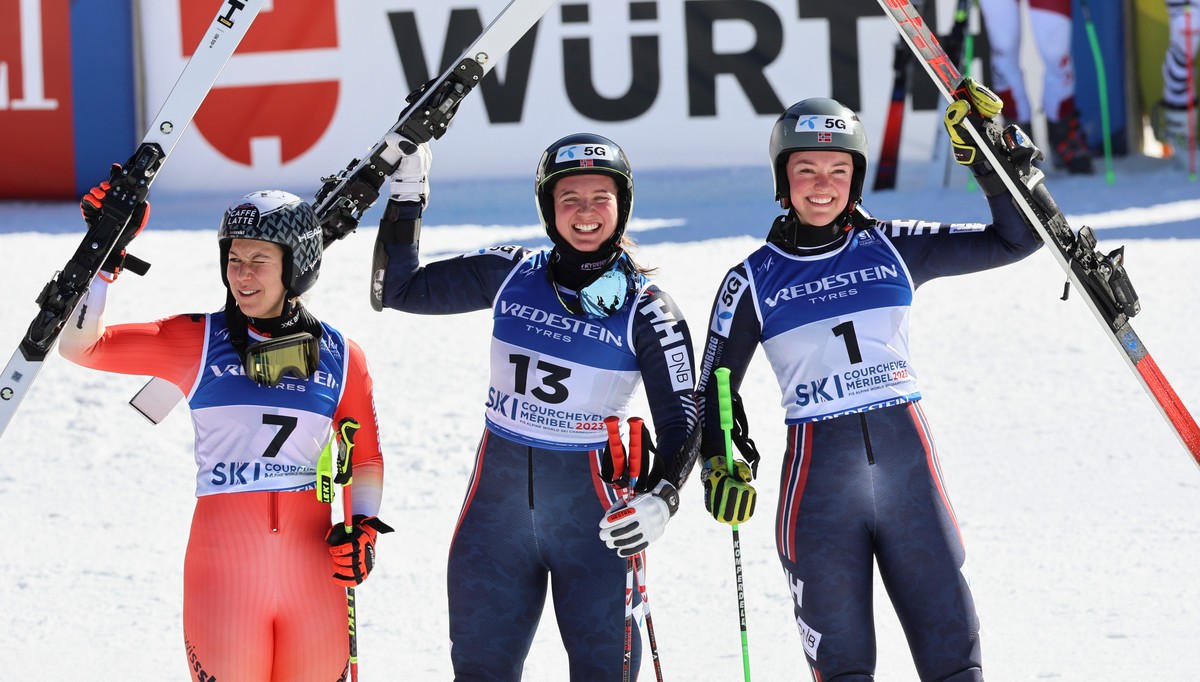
(681,83)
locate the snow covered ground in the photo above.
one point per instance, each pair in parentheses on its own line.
(1078,506)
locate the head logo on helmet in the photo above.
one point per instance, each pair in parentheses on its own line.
(583,153)
(281,218)
(818,124)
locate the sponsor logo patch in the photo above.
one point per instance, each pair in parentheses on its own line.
(580,152)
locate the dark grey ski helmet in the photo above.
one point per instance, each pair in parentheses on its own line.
(818,124)
(282,218)
(583,153)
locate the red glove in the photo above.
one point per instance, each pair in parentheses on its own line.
(354,552)
(92,208)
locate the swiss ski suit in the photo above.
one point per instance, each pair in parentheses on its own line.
(535,497)
(1051,24)
(259,601)
(860,480)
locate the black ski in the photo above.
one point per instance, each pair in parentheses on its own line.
(959,44)
(345,197)
(1101,278)
(889,151)
(129,187)
(956,40)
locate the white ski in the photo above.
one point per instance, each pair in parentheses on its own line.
(63,292)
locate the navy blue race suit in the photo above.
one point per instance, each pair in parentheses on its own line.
(860,480)
(536,496)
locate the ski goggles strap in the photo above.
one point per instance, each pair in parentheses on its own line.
(266,362)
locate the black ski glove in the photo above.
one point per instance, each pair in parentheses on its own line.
(92,208)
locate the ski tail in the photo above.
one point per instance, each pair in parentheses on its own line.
(1100,278)
(1168,402)
(889,152)
(129,186)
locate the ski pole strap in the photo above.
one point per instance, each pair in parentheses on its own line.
(343,437)
(741,434)
(347,427)
(325,473)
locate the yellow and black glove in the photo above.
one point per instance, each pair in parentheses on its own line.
(973,96)
(729,497)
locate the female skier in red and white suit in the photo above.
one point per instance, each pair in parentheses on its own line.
(263,601)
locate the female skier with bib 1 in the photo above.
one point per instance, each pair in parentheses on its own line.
(828,298)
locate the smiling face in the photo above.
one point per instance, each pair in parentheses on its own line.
(585,210)
(819,185)
(255,273)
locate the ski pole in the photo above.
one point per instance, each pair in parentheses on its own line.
(725,402)
(639,564)
(1102,85)
(1191,92)
(617,450)
(968,59)
(344,437)
(347,428)
(960,47)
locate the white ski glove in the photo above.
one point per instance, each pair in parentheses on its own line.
(630,526)
(410,181)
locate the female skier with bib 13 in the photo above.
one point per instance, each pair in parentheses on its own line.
(265,382)
(574,330)
(828,298)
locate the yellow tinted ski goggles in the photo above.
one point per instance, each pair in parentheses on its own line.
(267,362)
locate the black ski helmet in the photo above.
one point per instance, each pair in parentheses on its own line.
(818,124)
(583,153)
(281,218)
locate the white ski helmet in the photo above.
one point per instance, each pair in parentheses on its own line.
(281,218)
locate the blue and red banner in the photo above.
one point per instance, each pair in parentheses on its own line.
(66,95)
